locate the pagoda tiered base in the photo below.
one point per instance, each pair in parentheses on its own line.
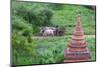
(76,56)
(72,61)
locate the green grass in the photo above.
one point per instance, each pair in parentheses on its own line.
(67,16)
(51,50)
(92,47)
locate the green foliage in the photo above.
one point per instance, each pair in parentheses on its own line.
(67,17)
(38,16)
(56,6)
(22,47)
(51,50)
(92,48)
(28,17)
(23,28)
(44,17)
(54,49)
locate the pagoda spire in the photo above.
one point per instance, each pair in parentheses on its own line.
(77,50)
(78,20)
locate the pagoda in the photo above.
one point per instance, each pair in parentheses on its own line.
(77,50)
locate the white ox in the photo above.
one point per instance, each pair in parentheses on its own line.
(48,32)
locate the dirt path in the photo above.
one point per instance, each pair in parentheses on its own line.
(42,37)
(89,35)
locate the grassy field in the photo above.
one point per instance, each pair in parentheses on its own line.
(67,17)
(63,15)
(51,50)
(27,18)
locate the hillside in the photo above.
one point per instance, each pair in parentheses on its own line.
(27,17)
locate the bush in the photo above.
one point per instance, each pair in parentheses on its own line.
(22,47)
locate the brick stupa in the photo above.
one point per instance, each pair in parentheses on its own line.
(77,50)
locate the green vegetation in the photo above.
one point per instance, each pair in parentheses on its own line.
(28,17)
(39,14)
(51,50)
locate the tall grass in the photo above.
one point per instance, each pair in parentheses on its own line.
(51,50)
